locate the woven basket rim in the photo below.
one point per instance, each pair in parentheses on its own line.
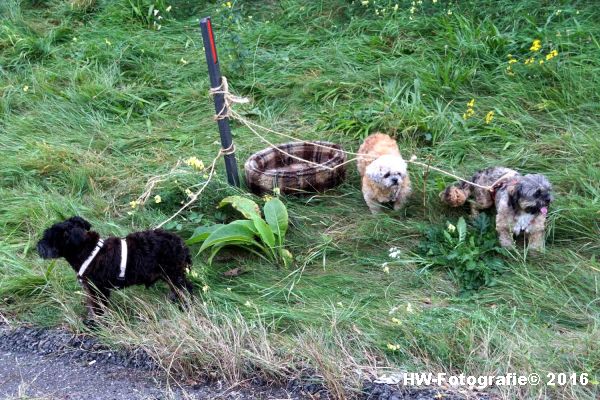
(337,158)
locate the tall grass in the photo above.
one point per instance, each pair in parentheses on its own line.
(95,99)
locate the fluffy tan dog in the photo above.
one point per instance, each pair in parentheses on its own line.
(383,172)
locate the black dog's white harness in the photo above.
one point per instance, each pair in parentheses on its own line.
(94,253)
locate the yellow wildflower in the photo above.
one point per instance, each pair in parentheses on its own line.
(108,43)
(228,4)
(541,62)
(551,55)
(26,88)
(396,321)
(471,103)
(134,204)
(469,113)
(157,199)
(530,60)
(512,61)
(393,347)
(183,61)
(489,117)
(509,71)
(195,163)
(536,46)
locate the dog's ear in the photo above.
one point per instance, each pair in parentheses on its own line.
(75,236)
(82,223)
(374,171)
(514,193)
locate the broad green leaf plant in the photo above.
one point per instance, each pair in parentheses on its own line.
(471,255)
(262,237)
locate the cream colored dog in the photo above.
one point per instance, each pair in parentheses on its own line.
(383,172)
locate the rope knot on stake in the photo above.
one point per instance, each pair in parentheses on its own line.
(227,151)
(228,98)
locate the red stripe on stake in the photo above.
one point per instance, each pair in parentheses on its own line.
(212,42)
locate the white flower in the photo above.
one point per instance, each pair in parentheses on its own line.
(168,9)
(155,12)
(394,252)
(451,228)
(157,199)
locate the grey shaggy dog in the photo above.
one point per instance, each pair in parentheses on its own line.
(151,256)
(521,202)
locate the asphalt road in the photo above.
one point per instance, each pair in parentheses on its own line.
(31,375)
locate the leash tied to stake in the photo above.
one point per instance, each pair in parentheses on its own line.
(228,112)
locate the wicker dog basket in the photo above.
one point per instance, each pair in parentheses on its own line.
(270,168)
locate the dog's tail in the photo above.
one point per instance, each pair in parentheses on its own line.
(456,195)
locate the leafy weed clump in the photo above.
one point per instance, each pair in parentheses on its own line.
(470,254)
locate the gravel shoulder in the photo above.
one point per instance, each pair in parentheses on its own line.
(55,364)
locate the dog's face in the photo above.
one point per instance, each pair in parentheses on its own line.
(533,194)
(62,238)
(387,171)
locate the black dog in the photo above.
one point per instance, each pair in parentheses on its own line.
(114,263)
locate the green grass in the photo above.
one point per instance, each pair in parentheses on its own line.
(94,100)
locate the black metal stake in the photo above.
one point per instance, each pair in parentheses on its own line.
(214,73)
